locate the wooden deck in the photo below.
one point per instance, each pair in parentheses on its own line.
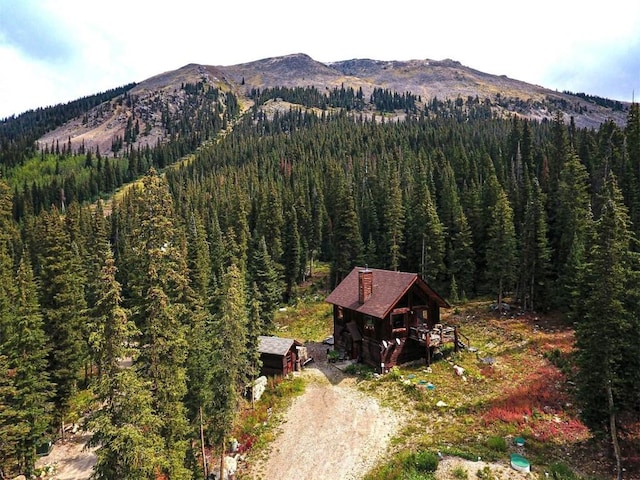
(437,337)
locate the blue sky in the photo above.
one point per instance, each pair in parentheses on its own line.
(54,51)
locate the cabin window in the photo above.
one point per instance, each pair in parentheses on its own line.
(368,324)
(397,321)
(340,315)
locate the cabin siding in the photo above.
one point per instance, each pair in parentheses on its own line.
(376,322)
(279,356)
(274,365)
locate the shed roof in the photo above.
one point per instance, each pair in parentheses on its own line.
(388,288)
(275,345)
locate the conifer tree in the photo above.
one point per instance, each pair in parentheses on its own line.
(230,366)
(490,192)
(501,247)
(27,351)
(199,259)
(318,221)
(425,237)
(255,328)
(263,274)
(459,246)
(7,292)
(460,256)
(569,226)
(216,250)
(8,233)
(535,254)
(393,223)
(609,364)
(201,339)
(560,150)
(96,243)
(11,430)
(237,231)
(125,426)
(632,140)
(345,237)
(270,221)
(164,307)
(63,304)
(291,257)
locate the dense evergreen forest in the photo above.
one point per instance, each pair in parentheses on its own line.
(189,266)
(19,134)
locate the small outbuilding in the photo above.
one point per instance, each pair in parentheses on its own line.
(279,356)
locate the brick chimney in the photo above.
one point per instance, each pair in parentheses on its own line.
(365,285)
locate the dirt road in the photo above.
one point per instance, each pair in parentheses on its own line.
(71,460)
(331,431)
(335,431)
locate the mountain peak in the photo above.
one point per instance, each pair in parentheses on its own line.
(424,78)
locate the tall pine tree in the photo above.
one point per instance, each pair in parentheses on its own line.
(28,351)
(164,309)
(607,320)
(125,426)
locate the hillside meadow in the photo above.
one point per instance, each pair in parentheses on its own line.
(516,383)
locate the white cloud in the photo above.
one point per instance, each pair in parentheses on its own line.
(563,45)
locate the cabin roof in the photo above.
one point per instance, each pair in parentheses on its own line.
(388,288)
(275,345)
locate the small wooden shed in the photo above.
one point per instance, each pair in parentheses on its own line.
(279,356)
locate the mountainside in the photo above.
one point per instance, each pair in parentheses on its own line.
(425,79)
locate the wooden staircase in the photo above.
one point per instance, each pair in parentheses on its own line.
(395,352)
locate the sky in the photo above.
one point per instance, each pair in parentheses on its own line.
(55,51)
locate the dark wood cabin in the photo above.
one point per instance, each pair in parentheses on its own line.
(279,356)
(385,318)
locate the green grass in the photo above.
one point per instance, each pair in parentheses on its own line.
(499,444)
(308,317)
(256,426)
(485,409)
(407,465)
(460,473)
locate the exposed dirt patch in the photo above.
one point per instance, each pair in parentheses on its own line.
(334,430)
(451,468)
(71,459)
(331,431)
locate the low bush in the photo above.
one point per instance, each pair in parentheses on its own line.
(560,471)
(426,462)
(485,474)
(407,465)
(460,473)
(360,370)
(499,444)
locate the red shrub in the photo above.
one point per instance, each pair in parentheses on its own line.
(539,392)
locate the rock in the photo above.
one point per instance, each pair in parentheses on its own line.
(259,386)
(230,468)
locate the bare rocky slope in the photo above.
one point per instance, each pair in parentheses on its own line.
(445,79)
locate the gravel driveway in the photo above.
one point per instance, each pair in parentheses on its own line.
(332,430)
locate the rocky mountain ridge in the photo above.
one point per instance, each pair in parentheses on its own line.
(427,79)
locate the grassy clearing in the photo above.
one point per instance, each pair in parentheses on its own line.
(511,387)
(308,317)
(514,385)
